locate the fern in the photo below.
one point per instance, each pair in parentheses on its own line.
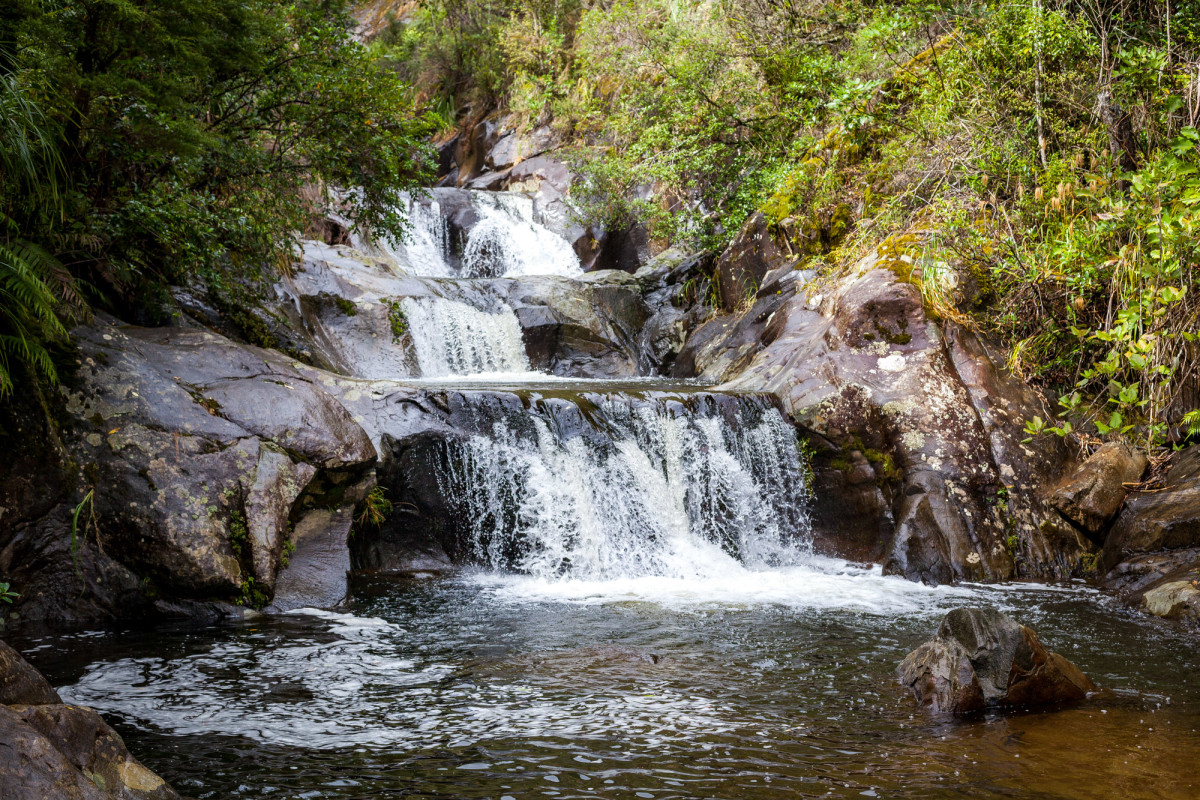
(37,301)
(1191,422)
(38,296)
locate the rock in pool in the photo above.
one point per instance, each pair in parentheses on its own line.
(981,658)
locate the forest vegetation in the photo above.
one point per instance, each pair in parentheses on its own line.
(146,143)
(1031,166)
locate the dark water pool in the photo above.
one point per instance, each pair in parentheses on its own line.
(758,685)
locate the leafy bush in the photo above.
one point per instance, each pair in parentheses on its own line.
(164,142)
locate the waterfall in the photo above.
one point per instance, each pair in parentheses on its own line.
(627,486)
(453,338)
(426,249)
(496,235)
(508,242)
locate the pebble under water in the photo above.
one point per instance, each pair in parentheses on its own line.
(768,684)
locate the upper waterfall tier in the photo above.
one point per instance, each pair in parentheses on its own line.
(456,233)
(365,317)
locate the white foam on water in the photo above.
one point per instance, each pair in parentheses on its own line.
(453,338)
(820,584)
(345,687)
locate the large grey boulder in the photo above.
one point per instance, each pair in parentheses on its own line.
(950,491)
(51,750)
(981,658)
(178,461)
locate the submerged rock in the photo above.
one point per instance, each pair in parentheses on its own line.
(52,750)
(981,658)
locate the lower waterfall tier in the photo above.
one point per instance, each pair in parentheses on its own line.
(595,485)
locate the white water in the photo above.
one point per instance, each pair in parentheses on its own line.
(662,491)
(425,248)
(453,338)
(819,584)
(505,242)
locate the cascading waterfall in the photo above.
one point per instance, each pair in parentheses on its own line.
(505,240)
(508,242)
(630,487)
(453,338)
(426,248)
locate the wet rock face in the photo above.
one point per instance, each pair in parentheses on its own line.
(949,491)
(52,750)
(187,456)
(583,328)
(1091,495)
(1168,519)
(981,658)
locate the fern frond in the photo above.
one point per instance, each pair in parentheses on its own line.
(38,300)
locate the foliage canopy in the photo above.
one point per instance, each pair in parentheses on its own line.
(150,143)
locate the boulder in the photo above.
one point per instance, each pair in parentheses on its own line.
(20,683)
(981,658)
(941,677)
(950,491)
(1092,494)
(52,750)
(746,261)
(316,572)
(581,328)
(179,459)
(516,146)
(1166,519)
(1174,600)
(626,249)
(1158,583)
